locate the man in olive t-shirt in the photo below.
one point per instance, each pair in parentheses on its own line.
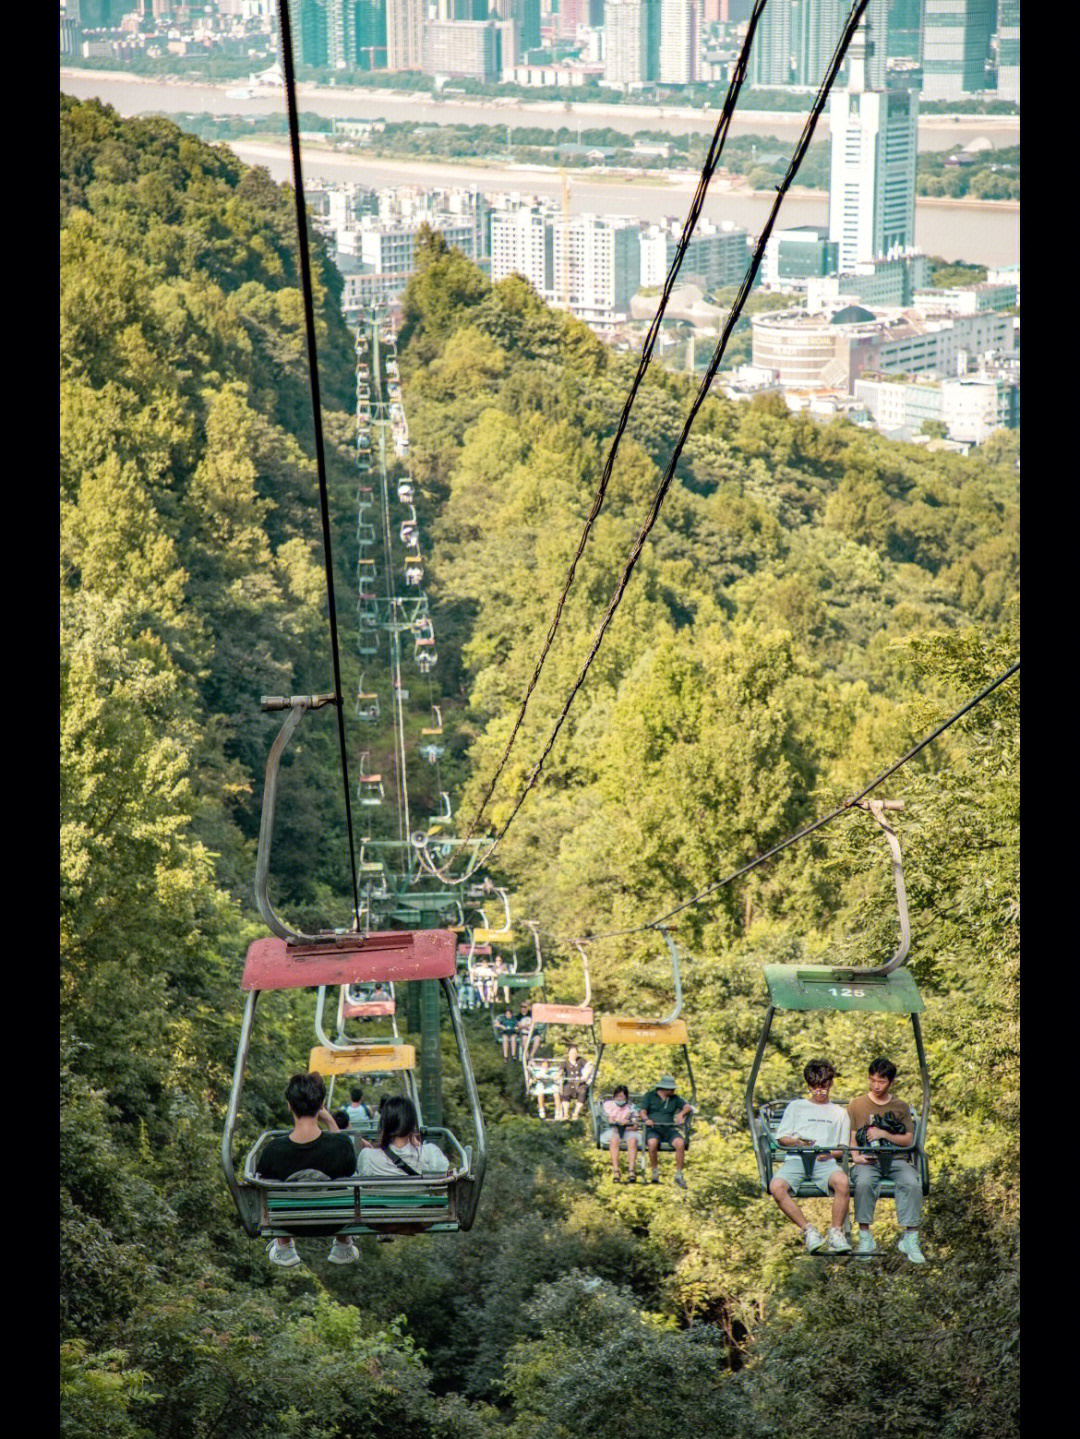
(866,1171)
(664,1112)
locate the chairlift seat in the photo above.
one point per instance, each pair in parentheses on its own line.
(356,1205)
(770,1114)
(604,1130)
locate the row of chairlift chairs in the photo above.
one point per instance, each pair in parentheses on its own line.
(364,969)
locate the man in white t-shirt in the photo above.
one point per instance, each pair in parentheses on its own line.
(815,1123)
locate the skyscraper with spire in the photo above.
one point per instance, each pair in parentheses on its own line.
(874,135)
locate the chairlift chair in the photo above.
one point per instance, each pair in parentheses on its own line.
(405,492)
(437,727)
(619,1029)
(887,989)
(369,787)
(367,704)
(291,959)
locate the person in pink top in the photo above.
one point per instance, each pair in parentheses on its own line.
(621,1118)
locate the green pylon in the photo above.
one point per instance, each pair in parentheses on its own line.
(430,1052)
(412,1006)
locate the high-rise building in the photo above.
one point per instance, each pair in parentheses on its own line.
(405,34)
(1008,32)
(631,41)
(956,47)
(526,16)
(794,41)
(715,256)
(897,26)
(681,25)
(597,266)
(874,136)
(523,243)
(572,13)
(469,48)
(312,32)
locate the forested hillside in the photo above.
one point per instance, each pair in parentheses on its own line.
(812,600)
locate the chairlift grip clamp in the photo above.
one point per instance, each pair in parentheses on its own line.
(294,702)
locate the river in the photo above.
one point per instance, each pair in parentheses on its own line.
(981,233)
(139,95)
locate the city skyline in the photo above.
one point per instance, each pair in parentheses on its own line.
(946,49)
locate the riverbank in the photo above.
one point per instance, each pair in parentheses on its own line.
(974,231)
(140,94)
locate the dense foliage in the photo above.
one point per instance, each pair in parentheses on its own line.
(812,598)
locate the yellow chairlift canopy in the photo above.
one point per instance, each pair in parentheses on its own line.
(614,1029)
(364,1059)
(493,936)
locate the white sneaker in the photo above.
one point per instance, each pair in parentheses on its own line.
(837,1241)
(343,1251)
(866,1246)
(812,1238)
(909,1247)
(285,1256)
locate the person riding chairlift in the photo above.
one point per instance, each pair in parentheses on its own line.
(574,1074)
(401,1151)
(622,1119)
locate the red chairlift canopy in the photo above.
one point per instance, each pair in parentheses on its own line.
(562,1014)
(350,959)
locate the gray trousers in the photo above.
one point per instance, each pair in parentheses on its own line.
(866,1181)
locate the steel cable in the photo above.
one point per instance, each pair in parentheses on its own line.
(844,808)
(850,26)
(711,161)
(316,415)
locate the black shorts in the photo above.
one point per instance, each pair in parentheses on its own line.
(664,1132)
(575,1091)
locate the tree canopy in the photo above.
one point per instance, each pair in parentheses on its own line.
(813,598)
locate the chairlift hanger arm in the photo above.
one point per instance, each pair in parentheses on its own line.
(876,808)
(297,706)
(670,1018)
(585,966)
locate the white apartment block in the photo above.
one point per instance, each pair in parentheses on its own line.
(405,34)
(874,136)
(468,48)
(597,261)
(716,255)
(971,407)
(629,36)
(681,28)
(523,243)
(391,249)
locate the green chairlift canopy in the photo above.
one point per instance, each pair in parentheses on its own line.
(823,987)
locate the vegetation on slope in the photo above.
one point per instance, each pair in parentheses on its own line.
(812,597)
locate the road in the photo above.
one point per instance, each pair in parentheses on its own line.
(136,95)
(984,234)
